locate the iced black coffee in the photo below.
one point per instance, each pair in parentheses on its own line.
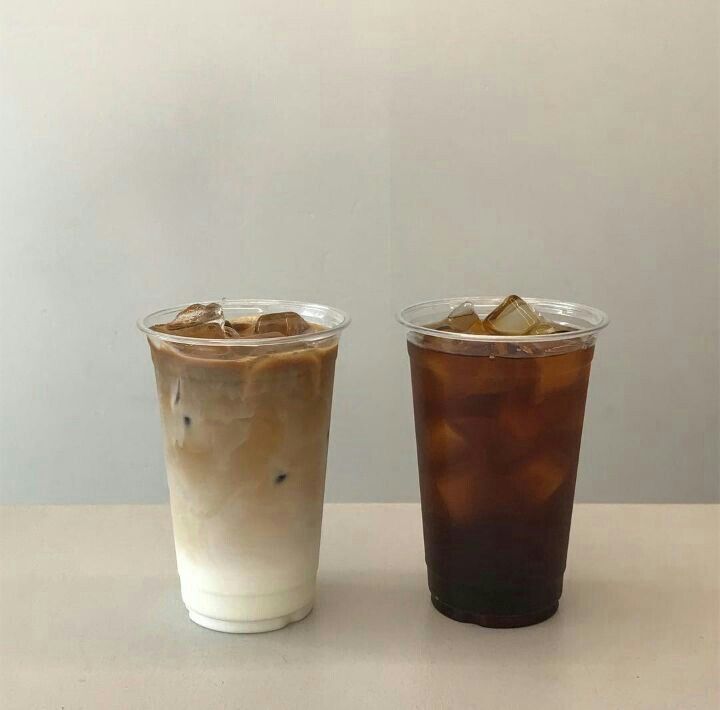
(499,393)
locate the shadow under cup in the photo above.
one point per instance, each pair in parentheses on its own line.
(498,422)
(246,426)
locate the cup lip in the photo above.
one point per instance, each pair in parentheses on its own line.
(143,323)
(601,318)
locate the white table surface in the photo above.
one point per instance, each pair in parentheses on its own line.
(91,617)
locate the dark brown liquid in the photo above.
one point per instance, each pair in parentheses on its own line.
(498,440)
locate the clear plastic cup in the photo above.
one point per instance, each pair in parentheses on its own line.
(246,426)
(498,422)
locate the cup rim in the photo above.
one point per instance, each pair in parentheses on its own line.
(599,318)
(156,317)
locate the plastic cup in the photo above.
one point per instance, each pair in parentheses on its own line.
(498,422)
(246,425)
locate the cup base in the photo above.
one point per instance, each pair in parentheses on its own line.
(250,627)
(494,621)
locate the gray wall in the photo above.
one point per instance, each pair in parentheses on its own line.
(366,154)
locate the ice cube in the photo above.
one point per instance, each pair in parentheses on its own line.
(443,443)
(478,328)
(457,491)
(468,491)
(286,323)
(196,315)
(462,319)
(241,327)
(559,373)
(519,423)
(229,331)
(538,479)
(207,330)
(513,317)
(547,328)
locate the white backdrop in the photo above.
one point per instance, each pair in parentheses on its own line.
(367,154)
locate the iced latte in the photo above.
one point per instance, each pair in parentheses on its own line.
(245,391)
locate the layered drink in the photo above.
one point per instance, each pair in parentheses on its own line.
(245,391)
